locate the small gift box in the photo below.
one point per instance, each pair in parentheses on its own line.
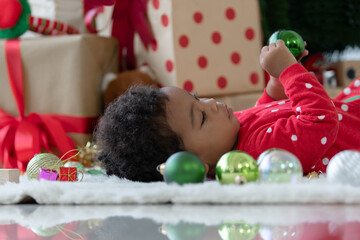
(47,174)
(68,174)
(9,175)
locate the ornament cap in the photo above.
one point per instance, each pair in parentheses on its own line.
(161,168)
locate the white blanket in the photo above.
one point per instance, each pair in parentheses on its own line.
(112,190)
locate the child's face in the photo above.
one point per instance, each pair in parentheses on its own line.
(208,128)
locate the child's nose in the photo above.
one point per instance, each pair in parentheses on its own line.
(213,104)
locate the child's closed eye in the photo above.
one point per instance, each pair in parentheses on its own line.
(196,97)
(203,118)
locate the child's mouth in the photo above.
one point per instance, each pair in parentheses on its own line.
(230,111)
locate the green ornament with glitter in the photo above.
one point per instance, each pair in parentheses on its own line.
(184,167)
(293,41)
(236,167)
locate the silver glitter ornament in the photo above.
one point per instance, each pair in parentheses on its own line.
(344,167)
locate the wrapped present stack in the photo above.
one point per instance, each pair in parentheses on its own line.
(210,47)
(50,96)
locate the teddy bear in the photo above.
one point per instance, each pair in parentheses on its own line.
(115,84)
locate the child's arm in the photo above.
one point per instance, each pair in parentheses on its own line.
(313,128)
(274,89)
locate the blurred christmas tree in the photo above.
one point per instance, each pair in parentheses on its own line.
(326,26)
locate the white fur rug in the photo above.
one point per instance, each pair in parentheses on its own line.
(112,190)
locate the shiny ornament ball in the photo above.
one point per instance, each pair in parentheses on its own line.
(184,167)
(47,232)
(344,168)
(185,231)
(239,230)
(293,41)
(236,167)
(76,164)
(44,160)
(278,165)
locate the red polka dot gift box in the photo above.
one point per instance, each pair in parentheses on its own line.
(211,47)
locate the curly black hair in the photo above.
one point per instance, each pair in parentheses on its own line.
(133,135)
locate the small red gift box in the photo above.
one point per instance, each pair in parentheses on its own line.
(68,174)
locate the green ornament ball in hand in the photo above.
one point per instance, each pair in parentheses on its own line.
(278,165)
(236,167)
(184,167)
(292,40)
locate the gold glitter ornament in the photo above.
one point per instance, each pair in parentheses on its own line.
(87,155)
(44,160)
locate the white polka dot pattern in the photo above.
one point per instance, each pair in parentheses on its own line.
(294,138)
(298,109)
(345,107)
(321,117)
(325,161)
(308,85)
(269,130)
(340,117)
(347,91)
(323,140)
(357,83)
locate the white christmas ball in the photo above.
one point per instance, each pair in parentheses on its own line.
(344,168)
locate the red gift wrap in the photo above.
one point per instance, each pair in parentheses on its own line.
(68,174)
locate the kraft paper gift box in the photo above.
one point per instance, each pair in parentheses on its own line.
(9,175)
(62,76)
(211,47)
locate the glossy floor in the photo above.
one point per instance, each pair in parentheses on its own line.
(180,222)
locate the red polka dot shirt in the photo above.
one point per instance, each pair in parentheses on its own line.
(309,123)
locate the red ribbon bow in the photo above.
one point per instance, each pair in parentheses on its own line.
(24,136)
(128,18)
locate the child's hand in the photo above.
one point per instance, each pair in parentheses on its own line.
(275,58)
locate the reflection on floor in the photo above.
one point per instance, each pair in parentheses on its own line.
(180,222)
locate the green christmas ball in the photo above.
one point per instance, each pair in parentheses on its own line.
(233,230)
(44,160)
(292,40)
(278,165)
(184,167)
(236,167)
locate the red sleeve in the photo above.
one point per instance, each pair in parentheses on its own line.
(265,98)
(312,128)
